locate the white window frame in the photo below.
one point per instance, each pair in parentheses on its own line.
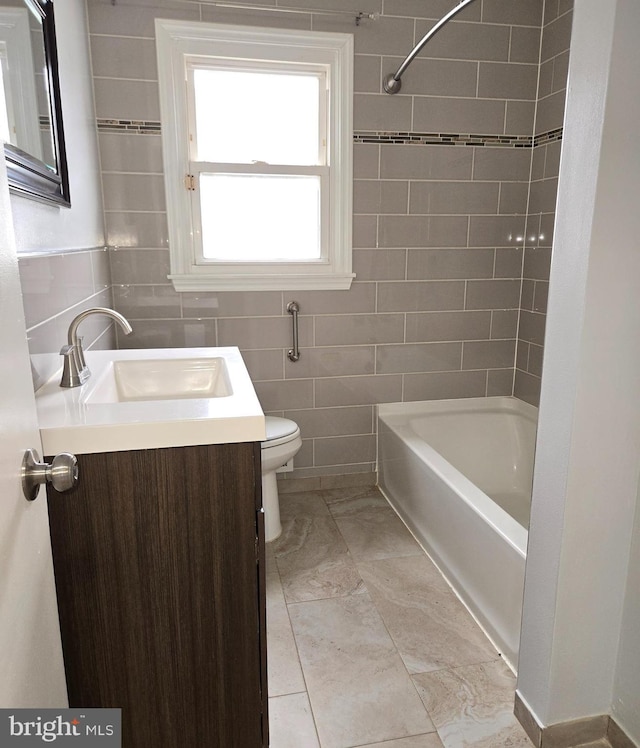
(178,43)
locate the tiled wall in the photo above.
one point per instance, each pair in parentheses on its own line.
(554,57)
(56,287)
(438,227)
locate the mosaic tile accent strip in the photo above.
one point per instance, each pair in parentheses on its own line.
(434,138)
(140,127)
(136,127)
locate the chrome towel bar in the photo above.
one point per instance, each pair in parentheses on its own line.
(293,308)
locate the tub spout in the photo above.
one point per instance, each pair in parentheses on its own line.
(75,370)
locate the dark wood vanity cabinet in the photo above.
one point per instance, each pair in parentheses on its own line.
(159,566)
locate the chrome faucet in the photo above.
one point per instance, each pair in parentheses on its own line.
(75,371)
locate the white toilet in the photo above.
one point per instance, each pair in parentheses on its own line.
(282,443)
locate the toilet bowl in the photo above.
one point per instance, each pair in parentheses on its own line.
(282,443)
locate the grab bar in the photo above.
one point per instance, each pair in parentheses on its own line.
(293,308)
(392,83)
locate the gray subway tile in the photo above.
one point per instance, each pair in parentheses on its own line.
(139,266)
(374,196)
(170,333)
(279,395)
(503,80)
(137,192)
(441,264)
(535,360)
(542,196)
(556,37)
(359,329)
(488,354)
(504,323)
(537,263)
(147,302)
(262,332)
(500,382)
(416,296)
(552,159)
(249,17)
(513,197)
(361,297)
(468,41)
(508,263)
(520,117)
(426,162)
(365,231)
(340,450)
(232,304)
(418,357)
(126,99)
(525,44)
(502,164)
(433,9)
(444,385)
(550,112)
(527,294)
(379,264)
(123,57)
(367,73)
(453,197)
(522,355)
(381,112)
(336,361)
(429,77)
(366,160)
(493,294)
(127,152)
(545,79)
(129,229)
(527,387)
(320,422)
(441,114)
(532,327)
(264,364)
(496,231)
(422,231)
(387,36)
(560,71)
(336,391)
(541,296)
(438,326)
(134,20)
(517,14)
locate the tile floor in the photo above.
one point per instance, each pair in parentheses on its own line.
(367,644)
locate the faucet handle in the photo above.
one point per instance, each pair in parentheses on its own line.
(82,364)
(72,376)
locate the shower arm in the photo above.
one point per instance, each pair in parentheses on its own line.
(392,83)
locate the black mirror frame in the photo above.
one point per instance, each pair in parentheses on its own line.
(28,176)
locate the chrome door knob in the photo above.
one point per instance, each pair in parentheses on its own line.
(62,473)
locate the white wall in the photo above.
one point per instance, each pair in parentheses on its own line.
(586,476)
(42,227)
(626,690)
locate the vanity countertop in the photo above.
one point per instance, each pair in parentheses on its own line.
(90,419)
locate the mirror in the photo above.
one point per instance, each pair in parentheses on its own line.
(30,111)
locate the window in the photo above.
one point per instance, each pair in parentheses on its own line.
(257,134)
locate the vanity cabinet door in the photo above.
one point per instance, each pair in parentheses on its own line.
(159,592)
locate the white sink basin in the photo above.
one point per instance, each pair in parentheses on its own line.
(162,379)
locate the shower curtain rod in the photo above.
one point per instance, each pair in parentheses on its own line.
(392,83)
(357,15)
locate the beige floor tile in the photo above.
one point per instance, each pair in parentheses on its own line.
(371,529)
(358,687)
(473,706)
(312,557)
(291,722)
(284,671)
(429,625)
(430,740)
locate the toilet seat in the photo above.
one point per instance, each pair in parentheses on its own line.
(279,431)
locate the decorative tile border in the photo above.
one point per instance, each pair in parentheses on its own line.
(134,127)
(141,127)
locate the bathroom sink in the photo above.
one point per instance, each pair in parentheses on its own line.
(151,399)
(162,379)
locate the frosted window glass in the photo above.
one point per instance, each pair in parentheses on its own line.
(247,218)
(244,117)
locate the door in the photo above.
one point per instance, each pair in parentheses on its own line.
(31,666)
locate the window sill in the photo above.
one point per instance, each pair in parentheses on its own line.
(299,282)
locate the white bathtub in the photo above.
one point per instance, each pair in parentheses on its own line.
(459,474)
